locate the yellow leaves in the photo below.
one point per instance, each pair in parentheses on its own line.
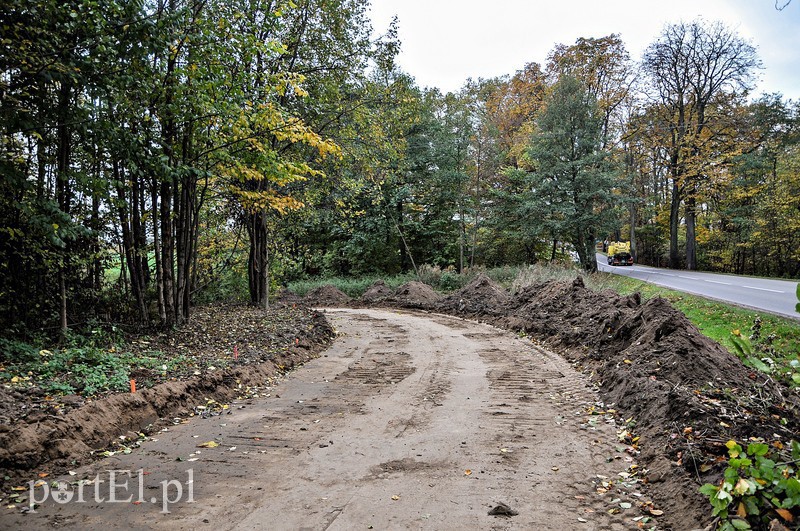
(209,444)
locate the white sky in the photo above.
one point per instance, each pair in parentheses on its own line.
(444,42)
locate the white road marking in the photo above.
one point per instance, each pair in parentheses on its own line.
(716,282)
(764,289)
(690,278)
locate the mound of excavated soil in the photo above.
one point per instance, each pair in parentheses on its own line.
(415,295)
(479,298)
(378,292)
(687,394)
(326,295)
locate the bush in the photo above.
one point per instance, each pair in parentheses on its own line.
(756,487)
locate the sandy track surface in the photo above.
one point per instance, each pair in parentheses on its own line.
(409,420)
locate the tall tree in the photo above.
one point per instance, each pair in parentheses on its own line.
(691,66)
(571,185)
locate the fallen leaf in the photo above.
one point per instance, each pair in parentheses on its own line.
(43,474)
(209,444)
(741,510)
(656,512)
(626,505)
(468,472)
(554,469)
(395,497)
(785,514)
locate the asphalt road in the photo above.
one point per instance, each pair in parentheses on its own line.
(770,295)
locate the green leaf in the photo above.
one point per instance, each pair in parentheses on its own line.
(708,489)
(740,524)
(758,449)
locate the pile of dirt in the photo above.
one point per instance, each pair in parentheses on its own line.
(326,295)
(686,393)
(64,435)
(416,295)
(480,298)
(377,292)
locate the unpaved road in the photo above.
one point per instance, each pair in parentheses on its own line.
(409,420)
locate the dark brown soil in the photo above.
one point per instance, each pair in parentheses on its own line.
(49,434)
(326,296)
(378,292)
(685,394)
(479,298)
(415,295)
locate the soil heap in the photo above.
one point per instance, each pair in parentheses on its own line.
(378,292)
(480,298)
(326,295)
(287,297)
(686,393)
(415,295)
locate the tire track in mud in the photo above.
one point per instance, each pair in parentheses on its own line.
(409,420)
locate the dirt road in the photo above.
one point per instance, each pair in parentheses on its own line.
(409,420)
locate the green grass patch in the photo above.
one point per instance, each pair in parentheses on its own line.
(353,287)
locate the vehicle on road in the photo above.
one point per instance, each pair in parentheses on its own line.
(619,253)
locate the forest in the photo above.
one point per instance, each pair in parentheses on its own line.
(160,153)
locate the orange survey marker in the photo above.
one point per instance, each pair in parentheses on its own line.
(133,386)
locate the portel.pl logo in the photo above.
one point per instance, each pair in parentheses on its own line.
(121,486)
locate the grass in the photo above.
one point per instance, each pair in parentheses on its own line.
(353,287)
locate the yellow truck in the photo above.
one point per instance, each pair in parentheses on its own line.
(619,253)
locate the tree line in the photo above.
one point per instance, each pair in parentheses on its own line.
(157,152)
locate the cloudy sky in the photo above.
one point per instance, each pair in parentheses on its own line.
(444,42)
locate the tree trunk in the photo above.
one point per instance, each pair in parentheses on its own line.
(674,220)
(258,259)
(162,308)
(691,239)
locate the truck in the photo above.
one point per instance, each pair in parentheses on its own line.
(619,253)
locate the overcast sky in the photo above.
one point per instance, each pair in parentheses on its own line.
(444,42)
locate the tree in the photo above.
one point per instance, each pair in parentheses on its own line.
(570,189)
(690,67)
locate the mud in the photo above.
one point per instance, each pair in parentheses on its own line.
(409,421)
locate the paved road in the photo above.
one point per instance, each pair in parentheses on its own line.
(774,296)
(408,421)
